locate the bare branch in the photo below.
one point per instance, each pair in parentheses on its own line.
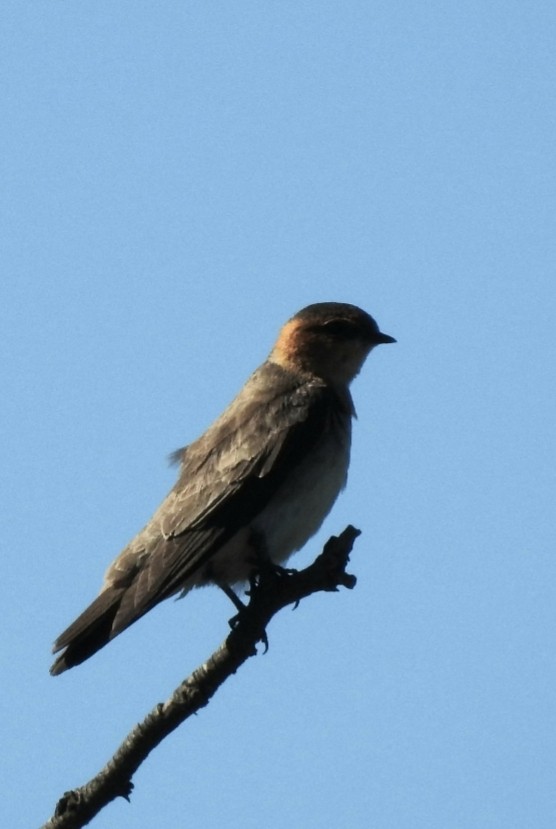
(272,590)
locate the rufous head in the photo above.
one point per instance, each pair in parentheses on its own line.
(330,340)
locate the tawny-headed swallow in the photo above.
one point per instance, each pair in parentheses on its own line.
(259,481)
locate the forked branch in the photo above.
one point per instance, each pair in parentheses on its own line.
(271,591)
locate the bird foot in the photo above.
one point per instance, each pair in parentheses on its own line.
(243,613)
(233,597)
(266,571)
(264,575)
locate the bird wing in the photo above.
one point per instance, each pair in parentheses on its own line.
(227,478)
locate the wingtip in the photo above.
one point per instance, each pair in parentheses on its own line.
(58,666)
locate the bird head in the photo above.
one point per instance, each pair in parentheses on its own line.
(330,340)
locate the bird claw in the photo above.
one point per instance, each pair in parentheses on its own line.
(263,575)
(236,620)
(266,570)
(264,640)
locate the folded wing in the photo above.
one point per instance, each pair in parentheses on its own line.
(227,477)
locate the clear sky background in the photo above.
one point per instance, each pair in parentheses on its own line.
(177,179)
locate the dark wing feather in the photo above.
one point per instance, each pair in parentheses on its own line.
(250,465)
(227,477)
(90,631)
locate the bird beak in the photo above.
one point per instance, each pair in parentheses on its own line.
(384,338)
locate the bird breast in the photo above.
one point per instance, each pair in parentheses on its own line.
(300,506)
(292,516)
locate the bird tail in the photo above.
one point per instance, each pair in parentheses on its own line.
(90,632)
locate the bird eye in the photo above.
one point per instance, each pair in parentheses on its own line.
(343,329)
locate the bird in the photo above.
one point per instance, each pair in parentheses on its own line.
(258,483)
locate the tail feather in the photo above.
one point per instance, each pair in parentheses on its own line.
(89,633)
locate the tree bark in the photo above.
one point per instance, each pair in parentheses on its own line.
(272,589)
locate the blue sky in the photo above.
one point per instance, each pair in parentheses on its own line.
(177,180)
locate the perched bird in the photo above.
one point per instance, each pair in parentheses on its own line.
(258,482)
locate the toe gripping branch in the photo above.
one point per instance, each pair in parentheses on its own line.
(271,587)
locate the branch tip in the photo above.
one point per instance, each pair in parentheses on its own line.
(270,592)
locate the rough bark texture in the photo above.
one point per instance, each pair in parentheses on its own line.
(271,591)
